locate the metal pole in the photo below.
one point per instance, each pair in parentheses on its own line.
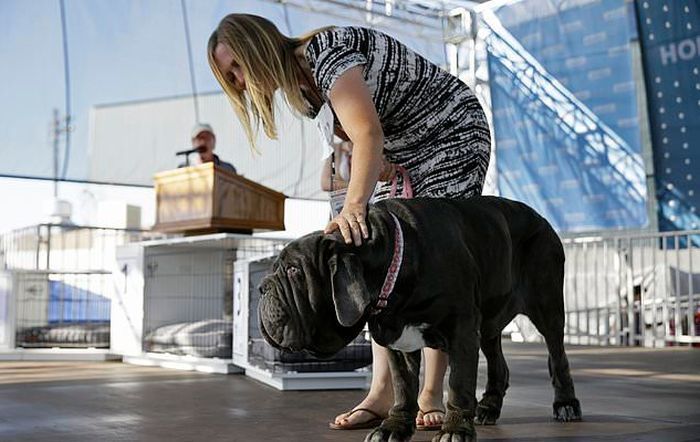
(66,73)
(191,64)
(472,47)
(666,285)
(631,320)
(677,295)
(48,246)
(56,135)
(586,317)
(691,291)
(605,295)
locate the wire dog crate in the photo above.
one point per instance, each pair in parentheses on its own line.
(57,310)
(56,291)
(287,371)
(175,300)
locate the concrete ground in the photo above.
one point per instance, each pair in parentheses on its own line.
(626,394)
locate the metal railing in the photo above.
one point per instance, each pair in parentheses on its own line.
(65,247)
(636,289)
(640,289)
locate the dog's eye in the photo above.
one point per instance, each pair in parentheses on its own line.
(293,272)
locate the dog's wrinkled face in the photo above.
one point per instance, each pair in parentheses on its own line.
(314,298)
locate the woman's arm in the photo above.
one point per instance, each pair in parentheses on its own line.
(351,99)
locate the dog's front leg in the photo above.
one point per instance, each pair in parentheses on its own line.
(401,423)
(461,404)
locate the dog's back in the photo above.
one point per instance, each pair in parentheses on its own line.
(477,213)
(521,221)
(537,265)
(520,256)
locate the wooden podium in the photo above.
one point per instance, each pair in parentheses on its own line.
(209,199)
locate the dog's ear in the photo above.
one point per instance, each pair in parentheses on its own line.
(350,295)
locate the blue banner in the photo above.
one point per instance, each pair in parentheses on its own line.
(565,116)
(670,36)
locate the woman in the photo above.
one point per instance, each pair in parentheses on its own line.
(395,108)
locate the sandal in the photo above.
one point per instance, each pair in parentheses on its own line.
(431,427)
(372,423)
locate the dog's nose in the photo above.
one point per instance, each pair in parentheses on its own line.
(265,287)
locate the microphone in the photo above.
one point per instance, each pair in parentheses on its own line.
(187,152)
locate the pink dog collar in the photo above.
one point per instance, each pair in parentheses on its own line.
(394,268)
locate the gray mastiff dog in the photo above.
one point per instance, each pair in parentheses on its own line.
(445,274)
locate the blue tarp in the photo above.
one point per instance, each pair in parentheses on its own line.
(586,47)
(68,303)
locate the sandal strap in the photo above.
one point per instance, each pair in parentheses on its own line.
(435,410)
(366,410)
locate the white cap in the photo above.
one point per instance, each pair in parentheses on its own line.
(201,127)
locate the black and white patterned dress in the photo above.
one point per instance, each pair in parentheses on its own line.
(433,123)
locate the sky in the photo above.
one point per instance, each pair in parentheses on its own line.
(119,51)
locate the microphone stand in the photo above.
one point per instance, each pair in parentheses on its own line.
(187,153)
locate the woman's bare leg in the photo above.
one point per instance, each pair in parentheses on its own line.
(380,396)
(431,396)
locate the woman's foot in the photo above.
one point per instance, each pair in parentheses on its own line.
(368,411)
(432,411)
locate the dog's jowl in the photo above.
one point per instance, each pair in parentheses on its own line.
(446,274)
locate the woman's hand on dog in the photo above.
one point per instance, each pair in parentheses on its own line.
(352,223)
(352,219)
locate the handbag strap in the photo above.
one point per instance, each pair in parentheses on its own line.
(407,191)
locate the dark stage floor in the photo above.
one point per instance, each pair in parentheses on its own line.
(627,395)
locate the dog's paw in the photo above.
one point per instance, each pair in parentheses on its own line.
(459,436)
(489,410)
(486,415)
(458,427)
(567,411)
(384,434)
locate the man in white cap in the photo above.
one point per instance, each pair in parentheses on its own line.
(204,140)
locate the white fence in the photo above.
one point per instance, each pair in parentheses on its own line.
(631,290)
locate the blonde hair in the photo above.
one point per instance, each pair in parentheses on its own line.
(268,61)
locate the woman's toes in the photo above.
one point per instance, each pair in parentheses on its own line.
(433,418)
(341,417)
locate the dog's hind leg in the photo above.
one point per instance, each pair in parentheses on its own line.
(544,305)
(489,408)
(565,407)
